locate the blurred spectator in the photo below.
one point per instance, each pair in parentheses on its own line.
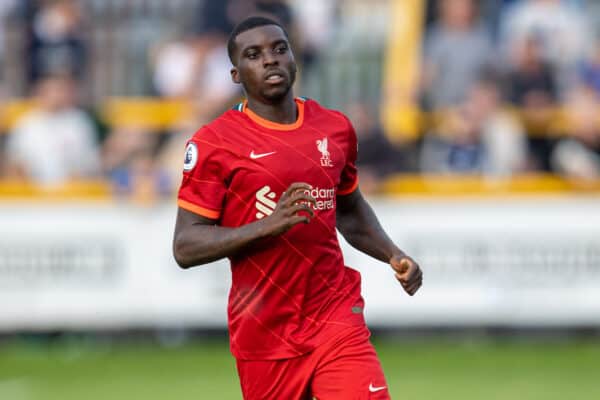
(476,137)
(589,68)
(578,155)
(144,181)
(215,89)
(6,8)
(316,25)
(532,87)
(56,141)
(457,48)
(529,75)
(220,17)
(377,157)
(196,69)
(176,67)
(57,43)
(123,142)
(560,26)
(129,161)
(278,9)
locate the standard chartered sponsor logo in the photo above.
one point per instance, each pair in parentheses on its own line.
(265,200)
(324,197)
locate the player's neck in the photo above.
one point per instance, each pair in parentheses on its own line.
(284,112)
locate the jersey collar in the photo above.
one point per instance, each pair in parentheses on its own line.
(274,125)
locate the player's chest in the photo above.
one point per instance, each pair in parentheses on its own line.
(315,155)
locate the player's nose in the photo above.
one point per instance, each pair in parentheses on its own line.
(270,59)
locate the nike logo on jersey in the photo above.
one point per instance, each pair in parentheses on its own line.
(255,156)
(374,389)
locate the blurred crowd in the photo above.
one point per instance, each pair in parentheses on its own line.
(507,87)
(514,86)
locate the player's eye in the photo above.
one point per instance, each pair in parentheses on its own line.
(281,48)
(252,55)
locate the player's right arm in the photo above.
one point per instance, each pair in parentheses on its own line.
(199,240)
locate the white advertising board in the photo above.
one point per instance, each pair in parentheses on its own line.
(502,262)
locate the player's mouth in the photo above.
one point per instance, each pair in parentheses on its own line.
(275,77)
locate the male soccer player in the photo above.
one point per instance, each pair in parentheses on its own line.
(266,185)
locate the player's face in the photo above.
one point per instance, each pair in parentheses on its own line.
(265,63)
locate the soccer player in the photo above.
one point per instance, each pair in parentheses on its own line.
(266,184)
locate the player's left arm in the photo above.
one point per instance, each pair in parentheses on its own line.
(359,225)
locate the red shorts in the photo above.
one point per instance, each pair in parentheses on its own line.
(345,368)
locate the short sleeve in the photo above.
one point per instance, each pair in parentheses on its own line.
(349,178)
(205,171)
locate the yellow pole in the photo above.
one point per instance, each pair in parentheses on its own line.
(400,114)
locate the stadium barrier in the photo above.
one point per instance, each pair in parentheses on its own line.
(162,114)
(502,261)
(396,185)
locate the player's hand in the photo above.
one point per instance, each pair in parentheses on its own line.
(407,272)
(294,207)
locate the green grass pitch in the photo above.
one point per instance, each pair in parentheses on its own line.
(426,369)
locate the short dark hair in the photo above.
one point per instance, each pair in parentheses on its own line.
(247,24)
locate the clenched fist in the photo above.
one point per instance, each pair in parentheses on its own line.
(407,272)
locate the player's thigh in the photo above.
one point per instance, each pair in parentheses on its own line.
(350,371)
(275,379)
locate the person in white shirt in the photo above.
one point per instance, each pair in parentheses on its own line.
(56,141)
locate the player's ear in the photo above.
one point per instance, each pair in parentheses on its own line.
(235,77)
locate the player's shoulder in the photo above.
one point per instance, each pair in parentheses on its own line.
(205,134)
(324,114)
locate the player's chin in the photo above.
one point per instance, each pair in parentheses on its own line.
(275,93)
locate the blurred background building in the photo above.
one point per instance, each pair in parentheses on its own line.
(479,147)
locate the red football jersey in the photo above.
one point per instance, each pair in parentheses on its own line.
(291,292)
